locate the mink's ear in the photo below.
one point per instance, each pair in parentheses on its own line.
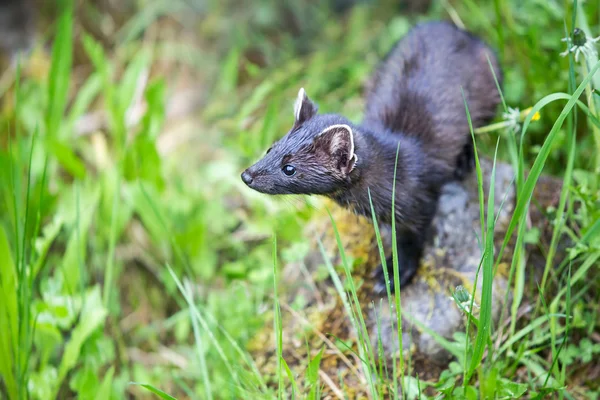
(337,141)
(304,109)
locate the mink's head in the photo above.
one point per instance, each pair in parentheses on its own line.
(315,157)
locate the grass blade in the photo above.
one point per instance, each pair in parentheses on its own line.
(154,390)
(8,316)
(60,70)
(358,326)
(215,343)
(485,316)
(199,349)
(396,269)
(387,285)
(278,328)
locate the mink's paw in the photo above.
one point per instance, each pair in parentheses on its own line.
(406,269)
(465,162)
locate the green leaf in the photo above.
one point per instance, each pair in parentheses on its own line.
(569,354)
(591,233)
(85,382)
(410,388)
(142,161)
(130,80)
(66,157)
(145,210)
(290,376)
(269,127)
(60,69)
(485,315)
(42,383)
(47,339)
(277,326)
(464,393)
(312,372)
(104,68)
(510,390)
(85,95)
(8,315)
(532,236)
(257,99)
(154,390)
(106,209)
(229,71)
(95,52)
(147,15)
(93,315)
(75,253)
(106,385)
(154,117)
(43,243)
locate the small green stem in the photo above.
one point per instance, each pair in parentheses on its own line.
(592,106)
(583,23)
(502,124)
(492,127)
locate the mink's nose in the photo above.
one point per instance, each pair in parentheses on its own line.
(246,177)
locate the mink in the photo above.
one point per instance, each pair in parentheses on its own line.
(415,130)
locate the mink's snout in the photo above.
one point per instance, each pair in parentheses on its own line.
(256,179)
(247,177)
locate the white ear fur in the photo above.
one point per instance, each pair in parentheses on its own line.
(298,103)
(334,144)
(345,127)
(355,161)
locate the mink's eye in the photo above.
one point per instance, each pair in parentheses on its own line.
(269,150)
(289,170)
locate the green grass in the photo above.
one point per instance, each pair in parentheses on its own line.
(131,270)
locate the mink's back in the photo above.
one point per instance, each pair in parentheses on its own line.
(416,90)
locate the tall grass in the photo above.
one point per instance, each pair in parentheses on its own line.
(16,277)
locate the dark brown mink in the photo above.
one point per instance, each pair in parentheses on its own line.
(415,118)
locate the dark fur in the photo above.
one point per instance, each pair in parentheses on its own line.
(414,106)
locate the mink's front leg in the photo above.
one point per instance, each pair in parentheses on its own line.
(465,162)
(410,249)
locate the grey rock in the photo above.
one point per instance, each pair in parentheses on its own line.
(452,258)
(454,254)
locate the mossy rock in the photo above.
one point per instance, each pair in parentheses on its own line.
(452,258)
